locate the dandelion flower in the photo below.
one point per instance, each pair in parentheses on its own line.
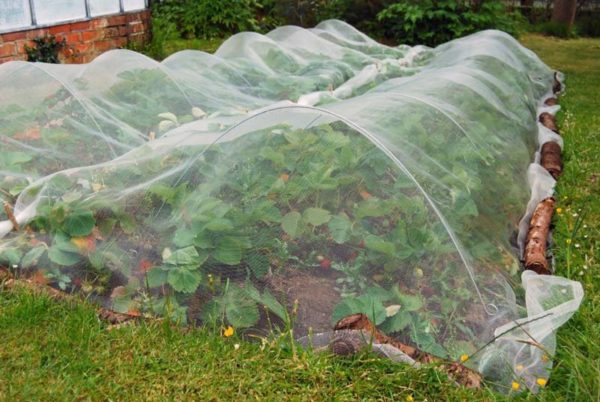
(464,358)
(228,332)
(515,386)
(541,382)
(559,211)
(410,398)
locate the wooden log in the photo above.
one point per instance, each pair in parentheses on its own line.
(359,322)
(548,121)
(551,158)
(551,102)
(537,237)
(11,217)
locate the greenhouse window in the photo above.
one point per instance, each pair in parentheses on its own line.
(27,14)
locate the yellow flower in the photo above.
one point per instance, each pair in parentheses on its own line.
(464,358)
(519,367)
(409,398)
(559,211)
(515,386)
(568,241)
(541,382)
(228,332)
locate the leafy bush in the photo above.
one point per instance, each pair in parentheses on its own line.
(588,24)
(432,22)
(45,50)
(205,18)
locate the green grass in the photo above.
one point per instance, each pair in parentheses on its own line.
(60,351)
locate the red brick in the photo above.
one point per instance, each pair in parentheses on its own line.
(8,49)
(104,45)
(36,33)
(116,20)
(99,23)
(83,47)
(88,36)
(123,30)
(9,37)
(21,45)
(80,26)
(111,32)
(59,29)
(74,37)
(12,58)
(135,28)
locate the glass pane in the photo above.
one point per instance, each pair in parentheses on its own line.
(49,11)
(101,7)
(14,14)
(134,4)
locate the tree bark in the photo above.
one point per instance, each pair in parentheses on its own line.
(551,159)
(537,237)
(564,12)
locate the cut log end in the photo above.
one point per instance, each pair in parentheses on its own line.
(551,102)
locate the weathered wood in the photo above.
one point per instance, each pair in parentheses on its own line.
(537,237)
(548,121)
(551,102)
(11,217)
(551,158)
(347,344)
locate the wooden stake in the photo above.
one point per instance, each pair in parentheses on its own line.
(537,237)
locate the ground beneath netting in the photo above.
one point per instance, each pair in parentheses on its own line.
(315,295)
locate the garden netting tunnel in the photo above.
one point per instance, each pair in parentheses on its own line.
(299,176)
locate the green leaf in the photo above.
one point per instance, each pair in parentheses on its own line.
(61,257)
(79,223)
(267,300)
(397,322)
(316,216)
(410,302)
(258,263)
(228,251)
(366,304)
(340,228)
(376,243)
(32,257)
(11,255)
(291,223)
(219,225)
(184,237)
(183,280)
(156,277)
(187,256)
(240,310)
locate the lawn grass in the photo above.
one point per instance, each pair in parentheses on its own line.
(60,351)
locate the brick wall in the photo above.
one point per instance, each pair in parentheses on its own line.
(85,39)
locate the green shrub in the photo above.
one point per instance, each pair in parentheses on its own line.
(432,22)
(588,24)
(45,49)
(207,18)
(557,29)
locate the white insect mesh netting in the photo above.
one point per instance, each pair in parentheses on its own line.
(312,168)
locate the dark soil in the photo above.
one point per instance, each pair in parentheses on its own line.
(316,295)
